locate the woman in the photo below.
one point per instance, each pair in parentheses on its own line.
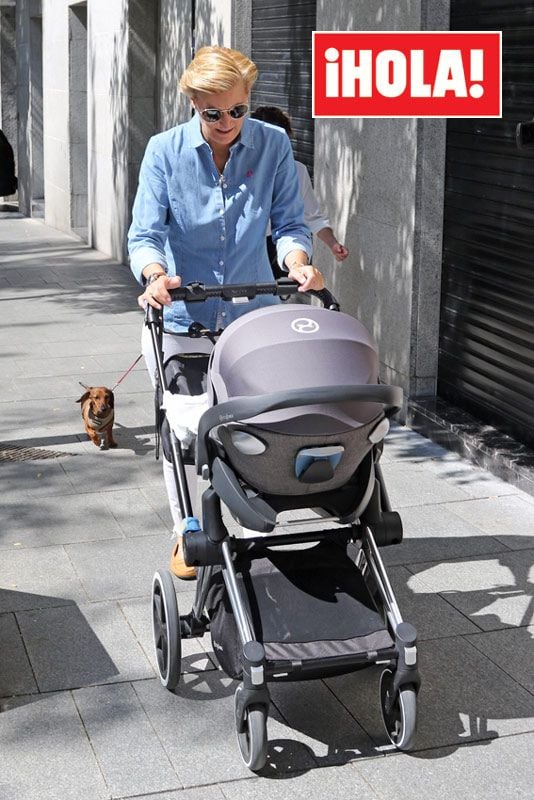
(207,190)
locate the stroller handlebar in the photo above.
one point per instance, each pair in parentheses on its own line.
(391,397)
(196,292)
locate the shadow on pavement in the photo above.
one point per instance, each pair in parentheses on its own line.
(47,645)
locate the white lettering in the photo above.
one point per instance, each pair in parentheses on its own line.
(418,87)
(390,73)
(363,73)
(450,75)
(332,72)
(477,73)
(390,78)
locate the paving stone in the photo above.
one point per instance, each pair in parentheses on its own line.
(432,616)
(471,479)
(197,655)
(511,650)
(46,754)
(16,676)
(434,532)
(121,568)
(196,727)
(509,519)
(87,347)
(464,697)
(73,646)
(60,520)
(410,485)
(70,366)
(494,591)
(31,578)
(135,382)
(203,793)
(486,772)
(332,734)
(156,497)
(34,479)
(32,388)
(134,515)
(403,445)
(341,783)
(128,751)
(111,470)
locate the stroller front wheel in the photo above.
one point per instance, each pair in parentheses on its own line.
(400,713)
(166,629)
(252,735)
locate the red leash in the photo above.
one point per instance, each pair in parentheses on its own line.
(139,357)
(130,368)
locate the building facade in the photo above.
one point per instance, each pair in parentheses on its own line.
(109,80)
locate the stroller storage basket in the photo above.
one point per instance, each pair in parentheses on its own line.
(306,606)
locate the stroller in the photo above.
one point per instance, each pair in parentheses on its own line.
(295,426)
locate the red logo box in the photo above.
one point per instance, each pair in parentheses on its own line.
(407,74)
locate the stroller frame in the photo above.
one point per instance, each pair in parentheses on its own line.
(372,525)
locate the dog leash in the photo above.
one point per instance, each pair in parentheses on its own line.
(130,368)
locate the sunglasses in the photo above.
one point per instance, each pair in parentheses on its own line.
(215,114)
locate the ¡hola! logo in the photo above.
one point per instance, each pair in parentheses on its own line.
(407,74)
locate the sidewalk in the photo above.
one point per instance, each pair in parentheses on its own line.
(83,715)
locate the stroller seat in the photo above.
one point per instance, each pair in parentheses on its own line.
(298,451)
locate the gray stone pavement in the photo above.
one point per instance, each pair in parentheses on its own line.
(83,716)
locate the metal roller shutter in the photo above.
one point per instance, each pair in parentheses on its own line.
(281,49)
(486,360)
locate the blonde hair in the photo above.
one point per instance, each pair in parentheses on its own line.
(216,69)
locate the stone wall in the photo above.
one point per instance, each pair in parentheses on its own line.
(381,181)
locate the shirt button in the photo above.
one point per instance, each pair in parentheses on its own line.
(223,313)
(221,263)
(225,186)
(221,211)
(222,238)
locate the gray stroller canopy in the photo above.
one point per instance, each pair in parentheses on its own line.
(290,347)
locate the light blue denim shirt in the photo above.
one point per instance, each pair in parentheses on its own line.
(211,228)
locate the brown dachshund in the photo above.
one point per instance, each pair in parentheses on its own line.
(98,404)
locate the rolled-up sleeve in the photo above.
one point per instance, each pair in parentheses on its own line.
(289,231)
(149,229)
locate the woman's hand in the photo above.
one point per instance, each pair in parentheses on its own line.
(308,276)
(156,293)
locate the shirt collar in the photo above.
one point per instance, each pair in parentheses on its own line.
(195,139)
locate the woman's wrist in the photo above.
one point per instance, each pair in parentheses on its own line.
(153,277)
(299,259)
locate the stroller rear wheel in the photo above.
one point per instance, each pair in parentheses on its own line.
(399,713)
(252,735)
(166,629)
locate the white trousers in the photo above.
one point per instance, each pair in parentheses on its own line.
(172,345)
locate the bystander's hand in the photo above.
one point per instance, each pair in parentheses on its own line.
(339,251)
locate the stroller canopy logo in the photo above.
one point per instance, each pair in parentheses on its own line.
(304,325)
(407,74)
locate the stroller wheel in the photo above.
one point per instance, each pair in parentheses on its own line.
(252,735)
(398,713)
(166,629)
